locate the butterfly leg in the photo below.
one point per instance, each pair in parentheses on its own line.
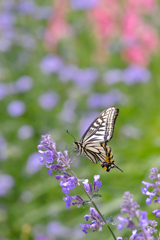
(75,158)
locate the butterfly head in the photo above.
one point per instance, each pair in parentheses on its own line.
(77,145)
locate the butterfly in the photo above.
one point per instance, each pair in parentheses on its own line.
(93,143)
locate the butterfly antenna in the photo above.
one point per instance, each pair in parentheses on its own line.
(117,167)
(71,135)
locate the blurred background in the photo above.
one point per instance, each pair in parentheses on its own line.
(61,64)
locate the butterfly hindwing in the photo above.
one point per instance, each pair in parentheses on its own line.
(94,151)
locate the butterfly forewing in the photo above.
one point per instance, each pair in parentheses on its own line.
(101,130)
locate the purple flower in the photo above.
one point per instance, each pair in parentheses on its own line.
(79,201)
(67,114)
(56,229)
(6,184)
(145,229)
(41,237)
(26,40)
(113,76)
(67,73)
(88,186)
(123,222)
(24,83)
(154,175)
(51,154)
(43,12)
(131,208)
(68,182)
(96,182)
(149,200)
(7,20)
(83,4)
(51,64)
(84,78)
(96,224)
(156,212)
(85,227)
(94,214)
(145,235)
(135,73)
(63,162)
(143,220)
(56,167)
(16,108)
(27,7)
(33,165)
(48,100)
(99,100)
(68,200)
(25,132)
(5,44)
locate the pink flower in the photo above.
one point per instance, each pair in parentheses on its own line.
(119,25)
(142,5)
(140,36)
(103,18)
(136,55)
(58,28)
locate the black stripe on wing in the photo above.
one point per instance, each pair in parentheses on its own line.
(110,124)
(90,155)
(101,129)
(94,151)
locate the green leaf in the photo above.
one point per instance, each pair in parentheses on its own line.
(97,195)
(110,220)
(85,203)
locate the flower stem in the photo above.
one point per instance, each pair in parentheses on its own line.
(93,204)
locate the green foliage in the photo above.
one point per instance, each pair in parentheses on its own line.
(134,156)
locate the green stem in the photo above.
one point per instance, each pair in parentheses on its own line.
(93,204)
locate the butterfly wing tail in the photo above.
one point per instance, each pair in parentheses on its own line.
(115,166)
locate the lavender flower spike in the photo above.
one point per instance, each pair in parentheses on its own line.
(69,181)
(154,175)
(143,229)
(131,208)
(50,154)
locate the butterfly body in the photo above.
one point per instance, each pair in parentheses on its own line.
(93,143)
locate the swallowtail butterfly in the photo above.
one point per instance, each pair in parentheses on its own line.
(93,143)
